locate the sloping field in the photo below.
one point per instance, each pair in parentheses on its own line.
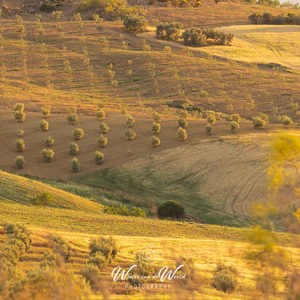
(205,252)
(18,189)
(262,44)
(217,181)
(222,14)
(70,67)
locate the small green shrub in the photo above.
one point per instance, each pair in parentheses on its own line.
(234,126)
(183,123)
(211,119)
(103,128)
(78,134)
(130,121)
(106,246)
(100,114)
(264,117)
(135,24)
(155,141)
(208,129)
(19,107)
(258,122)
(99,157)
(46,111)
(235,118)
(44,125)
(182,134)
(102,141)
(20,162)
(225,278)
(20,145)
(73,119)
(49,141)
(171,209)
(156,128)
(169,31)
(92,275)
(20,116)
(156,117)
(20,133)
(43,199)
(287,121)
(60,246)
(48,155)
(98,259)
(75,165)
(130,134)
(73,149)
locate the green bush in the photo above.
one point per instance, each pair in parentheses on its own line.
(73,149)
(264,117)
(98,259)
(44,125)
(60,246)
(183,123)
(103,128)
(130,134)
(106,246)
(156,117)
(73,119)
(92,275)
(156,128)
(130,121)
(171,209)
(99,157)
(75,165)
(135,24)
(102,141)
(211,119)
(20,116)
(20,133)
(49,141)
(20,162)
(19,107)
(78,134)
(169,31)
(100,114)
(208,129)
(225,278)
(46,111)
(287,121)
(20,145)
(43,199)
(155,141)
(234,126)
(258,122)
(182,134)
(235,118)
(48,155)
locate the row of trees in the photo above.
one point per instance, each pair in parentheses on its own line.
(268,18)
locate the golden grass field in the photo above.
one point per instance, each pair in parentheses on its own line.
(262,44)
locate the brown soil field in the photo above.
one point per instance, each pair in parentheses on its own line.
(118,151)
